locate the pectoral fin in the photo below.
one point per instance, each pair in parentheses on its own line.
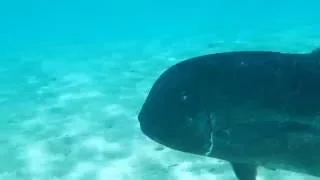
(244,171)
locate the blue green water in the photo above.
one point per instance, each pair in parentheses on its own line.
(74,74)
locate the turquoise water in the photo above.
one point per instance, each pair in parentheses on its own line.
(75,73)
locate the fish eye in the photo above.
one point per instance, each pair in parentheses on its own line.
(184,96)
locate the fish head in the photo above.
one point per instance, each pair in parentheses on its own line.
(174,112)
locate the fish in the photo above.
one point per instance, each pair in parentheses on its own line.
(250,108)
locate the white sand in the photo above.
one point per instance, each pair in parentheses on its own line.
(72,116)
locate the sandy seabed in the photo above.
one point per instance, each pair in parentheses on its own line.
(71,114)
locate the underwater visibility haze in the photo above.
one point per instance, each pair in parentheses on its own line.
(75,77)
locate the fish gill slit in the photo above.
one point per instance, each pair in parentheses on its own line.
(211,123)
(211,145)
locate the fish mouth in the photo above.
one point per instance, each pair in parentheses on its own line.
(173,141)
(154,137)
(149,126)
(159,135)
(148,129)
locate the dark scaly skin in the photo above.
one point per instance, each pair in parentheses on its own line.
(251,108)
